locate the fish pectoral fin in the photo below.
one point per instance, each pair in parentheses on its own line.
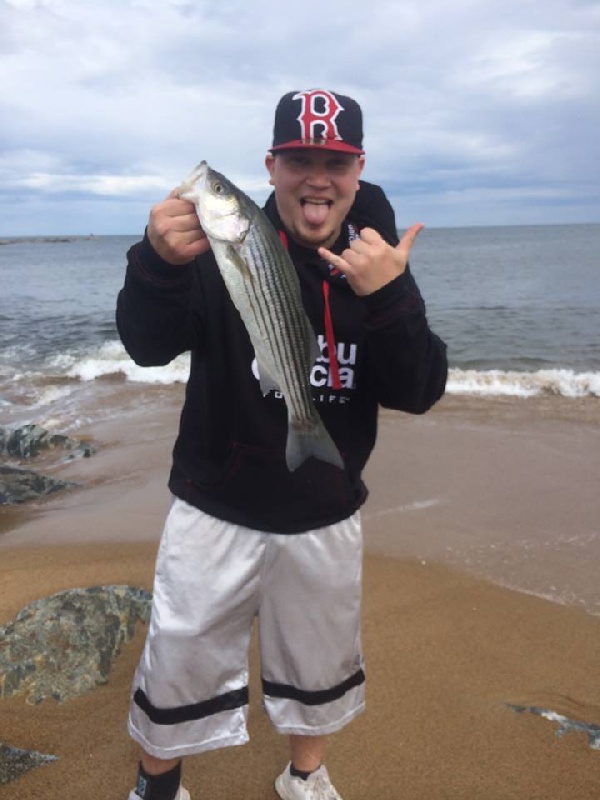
(239,263)
(267,382)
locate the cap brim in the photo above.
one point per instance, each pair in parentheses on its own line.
(330,144)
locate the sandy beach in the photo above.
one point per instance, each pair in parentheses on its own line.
(481,593)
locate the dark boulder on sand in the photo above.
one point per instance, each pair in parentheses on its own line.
(21,485)
(64,645)
(15,762)
(28,441)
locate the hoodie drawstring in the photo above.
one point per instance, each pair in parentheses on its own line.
(334,366)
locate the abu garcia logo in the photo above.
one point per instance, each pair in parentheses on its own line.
(320,374)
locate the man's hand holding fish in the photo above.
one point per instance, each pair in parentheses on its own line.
(174,231)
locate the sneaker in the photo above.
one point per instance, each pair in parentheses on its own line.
(182,794)
(316,787)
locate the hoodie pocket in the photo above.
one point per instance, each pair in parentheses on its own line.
(256,483)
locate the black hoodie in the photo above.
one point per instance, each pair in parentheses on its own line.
(229,457)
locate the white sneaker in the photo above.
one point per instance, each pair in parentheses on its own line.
(316,787)
(182,794)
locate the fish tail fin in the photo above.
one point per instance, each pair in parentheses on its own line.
(302,443)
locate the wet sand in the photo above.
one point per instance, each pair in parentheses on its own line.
(476,494)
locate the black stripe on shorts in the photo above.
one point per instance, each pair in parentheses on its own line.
(172,716)
(316,698)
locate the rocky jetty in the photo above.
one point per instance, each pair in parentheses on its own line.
(64,645)
(46,239)
(21,485)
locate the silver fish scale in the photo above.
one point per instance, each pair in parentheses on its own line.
(275,282)
(264,287)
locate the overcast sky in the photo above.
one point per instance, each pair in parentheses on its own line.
(477,112)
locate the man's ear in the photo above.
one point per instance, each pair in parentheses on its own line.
(361,165)
(270,165)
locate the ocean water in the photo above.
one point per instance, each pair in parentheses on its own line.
(519,308)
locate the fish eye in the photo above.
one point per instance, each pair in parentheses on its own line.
(218,188)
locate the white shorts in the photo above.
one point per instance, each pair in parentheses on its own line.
(190,691)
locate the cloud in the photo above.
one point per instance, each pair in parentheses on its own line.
(117,100)
(105,185)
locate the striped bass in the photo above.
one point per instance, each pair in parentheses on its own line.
(264,287)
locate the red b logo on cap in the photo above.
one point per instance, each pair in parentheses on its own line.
(316,125)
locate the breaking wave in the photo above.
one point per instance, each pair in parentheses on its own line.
(111,360)
(496,382)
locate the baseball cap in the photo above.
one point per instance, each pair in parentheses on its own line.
(318,118)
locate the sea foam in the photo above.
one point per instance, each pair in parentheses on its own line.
(111,360)
(565,382)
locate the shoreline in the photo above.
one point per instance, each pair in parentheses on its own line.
(450,653)
(503,489)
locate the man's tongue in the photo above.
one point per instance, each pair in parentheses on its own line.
(315,213)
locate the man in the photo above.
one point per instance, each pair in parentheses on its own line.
(246,538)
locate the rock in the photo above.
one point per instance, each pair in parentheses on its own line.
(21,485)
(565,725)
(28,441)
(64,645)
(15,762)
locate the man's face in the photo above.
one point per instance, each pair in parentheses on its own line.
(314,190)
